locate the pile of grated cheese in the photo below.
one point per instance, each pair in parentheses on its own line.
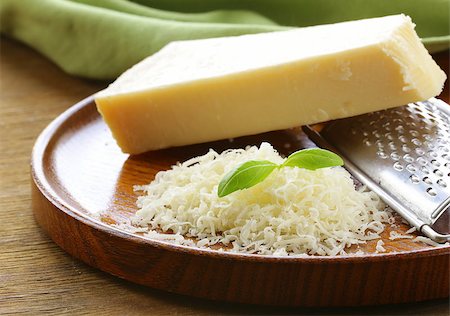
(292,212)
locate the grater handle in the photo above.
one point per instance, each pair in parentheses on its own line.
(434,235)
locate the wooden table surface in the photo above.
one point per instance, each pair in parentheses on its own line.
(35,275)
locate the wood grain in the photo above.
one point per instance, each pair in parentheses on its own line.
(36,276)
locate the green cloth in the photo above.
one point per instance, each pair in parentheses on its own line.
(101,38)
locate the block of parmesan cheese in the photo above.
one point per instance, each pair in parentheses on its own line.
(204,90)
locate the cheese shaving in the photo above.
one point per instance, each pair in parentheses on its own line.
(292,212)
(393,235)
(379,247)
(430,242)
(411,230)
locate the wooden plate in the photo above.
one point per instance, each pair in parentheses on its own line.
(78,171)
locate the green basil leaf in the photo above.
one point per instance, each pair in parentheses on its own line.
(245,176)
(312,159)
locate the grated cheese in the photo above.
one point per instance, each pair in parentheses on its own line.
(411,230)
(393,235)
(292,212)
(379,247)
(430,242)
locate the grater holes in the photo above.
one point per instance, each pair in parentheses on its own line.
(398,166)
(432,154)
(408,158)
(411,116)
(427,180)
(422,161)
(424,170)
(435,163)
(438,172)
(420,115)
(379,144)
(420,151)
(382,154)
(427,111)
(399,128)
(413,141)
(431,106)
(426,123)
(386,124)
(427,127)
(429,145)
(392,145)
(442,183)
(431,192)
(432,113)
(411,119)
(414,106)
(395,156)
(414,179)
(405,148)
(411,168)
(441,140)
(427,137)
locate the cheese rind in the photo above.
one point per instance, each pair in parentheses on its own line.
(204,90)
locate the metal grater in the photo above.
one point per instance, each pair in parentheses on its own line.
(402,154)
